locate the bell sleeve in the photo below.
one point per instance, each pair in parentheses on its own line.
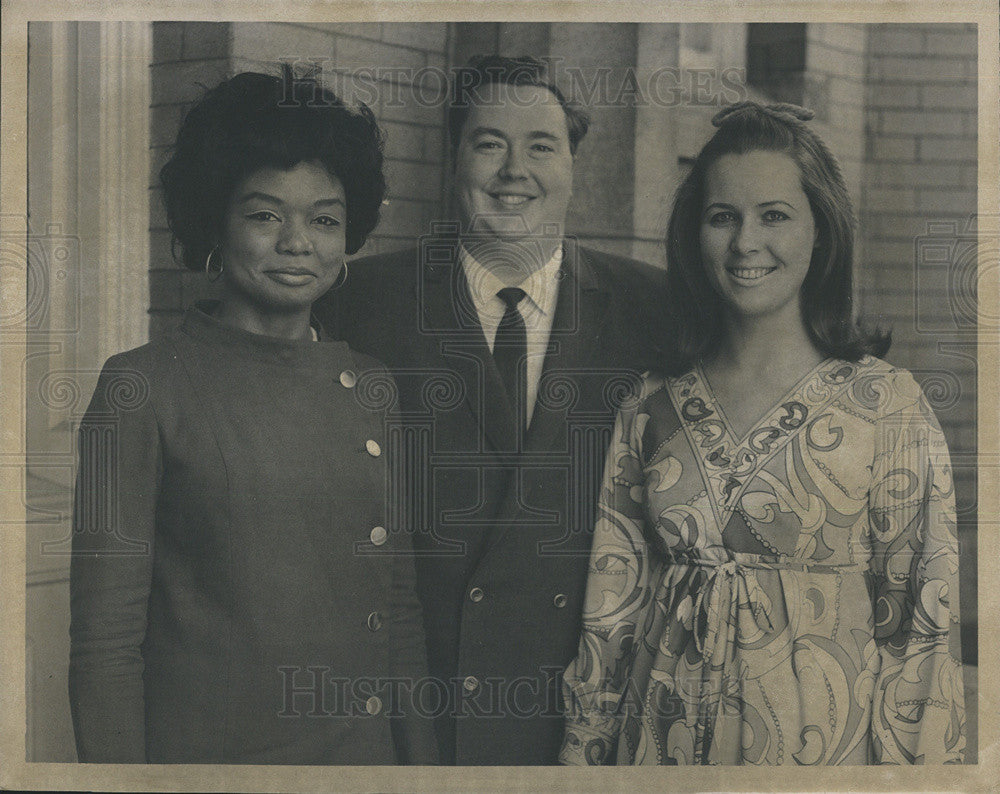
(111,567)
(413,729)
(918,713)
(618,592)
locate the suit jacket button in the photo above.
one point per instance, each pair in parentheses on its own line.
(560,601)
(348,379)
(374,621)
(471,683)
(378,536)
(373,705)
(373,448)
(476,595)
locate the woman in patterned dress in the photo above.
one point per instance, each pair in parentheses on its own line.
(773,577)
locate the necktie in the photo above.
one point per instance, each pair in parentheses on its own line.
(510,349)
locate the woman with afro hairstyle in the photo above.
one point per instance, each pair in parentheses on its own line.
(239,594)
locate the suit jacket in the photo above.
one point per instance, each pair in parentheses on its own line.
(501,518)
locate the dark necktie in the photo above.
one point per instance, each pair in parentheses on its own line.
(510,350)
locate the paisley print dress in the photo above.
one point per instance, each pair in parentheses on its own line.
(788,597)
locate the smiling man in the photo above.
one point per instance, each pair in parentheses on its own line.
(511,347)
(513,153)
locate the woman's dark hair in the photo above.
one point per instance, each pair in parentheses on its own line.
(826,294)
(485,70)
(254,121)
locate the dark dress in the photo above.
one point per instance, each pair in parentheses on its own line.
(235,595)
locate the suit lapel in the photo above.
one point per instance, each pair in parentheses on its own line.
(576,331)
(581,314)
(453,324)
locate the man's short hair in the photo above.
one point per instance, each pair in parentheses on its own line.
(524,70)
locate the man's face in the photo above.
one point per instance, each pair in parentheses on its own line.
(513,169)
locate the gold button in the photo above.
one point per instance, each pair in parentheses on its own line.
(378,536)
(374,621)
(373,448)
(373,705)
(348,379)
(560,601)
(476,594)
(471,683)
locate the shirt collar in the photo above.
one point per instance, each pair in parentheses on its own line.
(541,287)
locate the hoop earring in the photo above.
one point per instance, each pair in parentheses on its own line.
(214,274)
(341,278)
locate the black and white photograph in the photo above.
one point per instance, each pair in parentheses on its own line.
(497,390)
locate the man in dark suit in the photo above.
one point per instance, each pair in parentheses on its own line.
(511,347)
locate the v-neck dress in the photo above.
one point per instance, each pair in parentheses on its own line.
(785,597)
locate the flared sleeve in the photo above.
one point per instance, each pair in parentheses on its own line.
(111,569)
(619,589)
(413,730)
(918,713)
(413,733)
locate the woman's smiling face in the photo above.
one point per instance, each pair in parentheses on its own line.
(757,232)
(284,238)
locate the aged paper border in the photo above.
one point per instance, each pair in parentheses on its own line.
(16,773)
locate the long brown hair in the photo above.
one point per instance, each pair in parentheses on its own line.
(697,310)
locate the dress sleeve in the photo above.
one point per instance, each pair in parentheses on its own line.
(618,592)
(918,714)
(111,568)
(413,731)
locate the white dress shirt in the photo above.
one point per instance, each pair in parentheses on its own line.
(537,309)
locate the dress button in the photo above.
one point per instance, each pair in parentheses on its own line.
(476,594)
(373,705)
(375,621)
(373,448)
(471,683)
(378,536)
(560,601)
(348,379)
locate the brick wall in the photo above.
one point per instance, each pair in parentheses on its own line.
(404,93)
(186,56)
(835,90)
(918,273)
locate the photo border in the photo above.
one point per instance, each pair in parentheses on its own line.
(15,772)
